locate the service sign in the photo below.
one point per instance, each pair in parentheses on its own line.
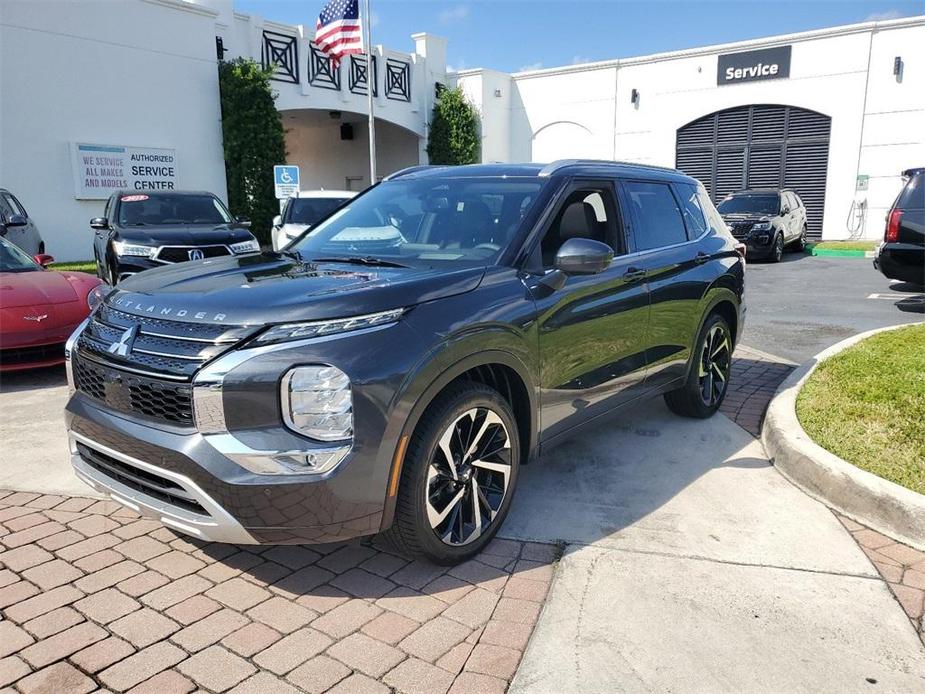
(752,66)
(101,169)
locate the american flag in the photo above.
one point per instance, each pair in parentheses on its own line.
(337,32)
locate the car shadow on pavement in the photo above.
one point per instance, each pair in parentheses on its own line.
(33,379)
(912,302)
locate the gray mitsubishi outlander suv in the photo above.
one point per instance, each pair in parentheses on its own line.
(393,370)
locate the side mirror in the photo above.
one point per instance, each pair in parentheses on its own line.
(278,221)
(583,257)
(785,210)
(43,259)
(99,223)
(243,221)
(17,220)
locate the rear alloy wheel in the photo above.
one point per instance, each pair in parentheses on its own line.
(458,476)
(708,380)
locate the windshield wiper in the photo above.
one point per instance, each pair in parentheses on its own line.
(359,260)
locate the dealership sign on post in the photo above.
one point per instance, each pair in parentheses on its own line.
(286,181)
(751,66)
(101,169)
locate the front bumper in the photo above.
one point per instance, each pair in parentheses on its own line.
(216,482)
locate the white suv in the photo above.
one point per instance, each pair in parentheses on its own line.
(304,210)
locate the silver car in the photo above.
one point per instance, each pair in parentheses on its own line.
(17,227)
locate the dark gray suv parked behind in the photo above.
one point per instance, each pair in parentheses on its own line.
(392,370)
(766,221)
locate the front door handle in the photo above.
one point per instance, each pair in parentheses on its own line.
(701,257)
(634,274)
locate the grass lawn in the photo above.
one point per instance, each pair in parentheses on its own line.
(846,245)
(77,266)
(867,406)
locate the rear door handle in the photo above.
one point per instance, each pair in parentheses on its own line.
(634,274)
(701,257)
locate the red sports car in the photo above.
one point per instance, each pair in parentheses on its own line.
(39,308)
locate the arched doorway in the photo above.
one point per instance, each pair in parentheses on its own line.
(564,140)
(760,146)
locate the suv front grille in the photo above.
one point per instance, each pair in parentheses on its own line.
(180,254)
(144,481)
(153,379)
(173,350)
(740,229)
(163,400)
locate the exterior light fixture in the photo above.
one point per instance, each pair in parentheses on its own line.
(497,92)
(634,97)
(898,68)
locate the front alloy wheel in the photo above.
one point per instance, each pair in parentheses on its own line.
(467,478)
(458,476)
(715,363)
(778,251)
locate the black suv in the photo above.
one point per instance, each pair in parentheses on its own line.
(766,221)
(393,369)
(143,230)
(901,256)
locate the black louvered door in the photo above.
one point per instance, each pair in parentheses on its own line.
(760,146)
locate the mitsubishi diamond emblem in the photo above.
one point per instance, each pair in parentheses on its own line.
(123,347)
(195,254)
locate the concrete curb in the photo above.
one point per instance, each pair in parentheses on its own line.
(877,503)
(835,253)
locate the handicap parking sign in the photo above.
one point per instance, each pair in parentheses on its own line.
(286,181)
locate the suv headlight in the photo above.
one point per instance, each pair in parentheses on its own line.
(135,249)
(317,402)
(242,247)
(762,226)
(321,328)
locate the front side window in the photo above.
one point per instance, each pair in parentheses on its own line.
(310,210)
(12,259)
(659,221)
(750,204)
(14,205)
(147,210)
(431,220)
(588,213)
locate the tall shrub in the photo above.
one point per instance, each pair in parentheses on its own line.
(253,142)
(454,130)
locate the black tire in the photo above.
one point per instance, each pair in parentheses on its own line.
(778,251)
(426,483)
(689,400)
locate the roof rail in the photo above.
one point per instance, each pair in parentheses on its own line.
(411,170)
(555,166)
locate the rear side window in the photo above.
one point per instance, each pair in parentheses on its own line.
(659,221)
(693,213)
(14,205)
(913,195)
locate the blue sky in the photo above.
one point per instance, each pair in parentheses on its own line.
(513,35)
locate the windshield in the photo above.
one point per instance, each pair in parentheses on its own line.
(757,204)
(310,210)
(430,220)
(14,260)
(144,210)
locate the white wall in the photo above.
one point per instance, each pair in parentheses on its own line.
(313,142)
(586,110)
(136,72)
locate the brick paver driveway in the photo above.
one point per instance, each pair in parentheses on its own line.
(94,597)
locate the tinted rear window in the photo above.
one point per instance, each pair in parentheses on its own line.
(913,195)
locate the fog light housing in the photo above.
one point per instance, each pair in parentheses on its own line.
(317,402)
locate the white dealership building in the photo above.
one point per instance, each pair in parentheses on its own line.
(97,94)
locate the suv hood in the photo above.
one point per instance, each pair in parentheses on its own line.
(266,288)
(184,235)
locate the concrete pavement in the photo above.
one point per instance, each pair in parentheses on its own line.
(33,442)
(692,565)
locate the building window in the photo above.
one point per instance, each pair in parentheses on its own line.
(281,52)
(321,71)
(397,80)
(357,81)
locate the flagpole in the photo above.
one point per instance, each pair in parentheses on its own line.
(370,79)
